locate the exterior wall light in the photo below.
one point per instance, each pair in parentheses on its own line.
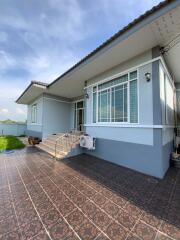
(86,95)
(148,76)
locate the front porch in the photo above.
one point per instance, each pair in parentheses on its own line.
(84,198)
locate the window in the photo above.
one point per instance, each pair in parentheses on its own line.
(112,99)
(169,102)
(79,115)
(34,113)
(167,97)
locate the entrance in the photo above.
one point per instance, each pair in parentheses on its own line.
(79,116)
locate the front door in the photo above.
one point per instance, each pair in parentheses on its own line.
(79,115)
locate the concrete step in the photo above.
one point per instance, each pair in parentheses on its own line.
(63,146)
(52,148)
(58,155)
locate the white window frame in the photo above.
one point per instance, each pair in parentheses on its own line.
(128,98)
(34,113)
(75,112)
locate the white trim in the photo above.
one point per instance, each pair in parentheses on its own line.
(123,73)
(128,125)
(128,98)
(58,100)
(79,100)
(34,124)
(131,69)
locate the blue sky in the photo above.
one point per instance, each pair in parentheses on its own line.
(40,39)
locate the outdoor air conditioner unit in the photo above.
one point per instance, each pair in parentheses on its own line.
(87,142)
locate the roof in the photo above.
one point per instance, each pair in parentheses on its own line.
(116,35)
(42,84)
(138,20)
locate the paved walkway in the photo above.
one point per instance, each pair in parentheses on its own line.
(84,198)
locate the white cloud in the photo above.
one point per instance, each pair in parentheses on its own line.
(6,60)
(48,37)
(20,111)
(4,111)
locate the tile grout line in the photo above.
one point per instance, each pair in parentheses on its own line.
(97,192)
(55,206)
(174,186)
(71,202)
(129,231)
(33,204)
(91,202)
(5,159)
(44,163)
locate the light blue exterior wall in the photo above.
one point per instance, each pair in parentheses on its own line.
(145,146)
(56,116)
(143,135)
(35,129)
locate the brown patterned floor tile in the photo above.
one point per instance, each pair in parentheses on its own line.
(79,199)
(133,209)
(133,237)
(87,231)
(112,209)
(151,219)
(41,236)
(102,237)
(27,216)
(126,219)
(24,205)
(99,199)
(76,218)
(51,217)
(89,192)
(89,209)
(161,236)
(120,201)
(106,192)
(8,225)
(144,231)
(71,236)
(171,230)
(44,207)
(15,235)
(31,229)
(66,207)
(6,212)
(101,220)
(116,231)
(59,230)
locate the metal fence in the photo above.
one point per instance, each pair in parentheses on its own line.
(13,129)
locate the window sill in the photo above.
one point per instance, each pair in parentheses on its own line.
(123,125)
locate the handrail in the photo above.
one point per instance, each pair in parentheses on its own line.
(57,141)
(73,133)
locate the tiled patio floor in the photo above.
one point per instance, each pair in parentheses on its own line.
(84,198)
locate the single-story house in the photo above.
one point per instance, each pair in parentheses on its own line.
(123,94)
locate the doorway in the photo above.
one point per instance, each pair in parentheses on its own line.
(79,115)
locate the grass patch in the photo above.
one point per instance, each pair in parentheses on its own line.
(10,142)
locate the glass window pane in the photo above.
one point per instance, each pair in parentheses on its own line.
(104,106)
(114,82)
(94,106)
(94,89)
(133,75)
(119,104)
(133,102)
(80,104)
(169,102)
